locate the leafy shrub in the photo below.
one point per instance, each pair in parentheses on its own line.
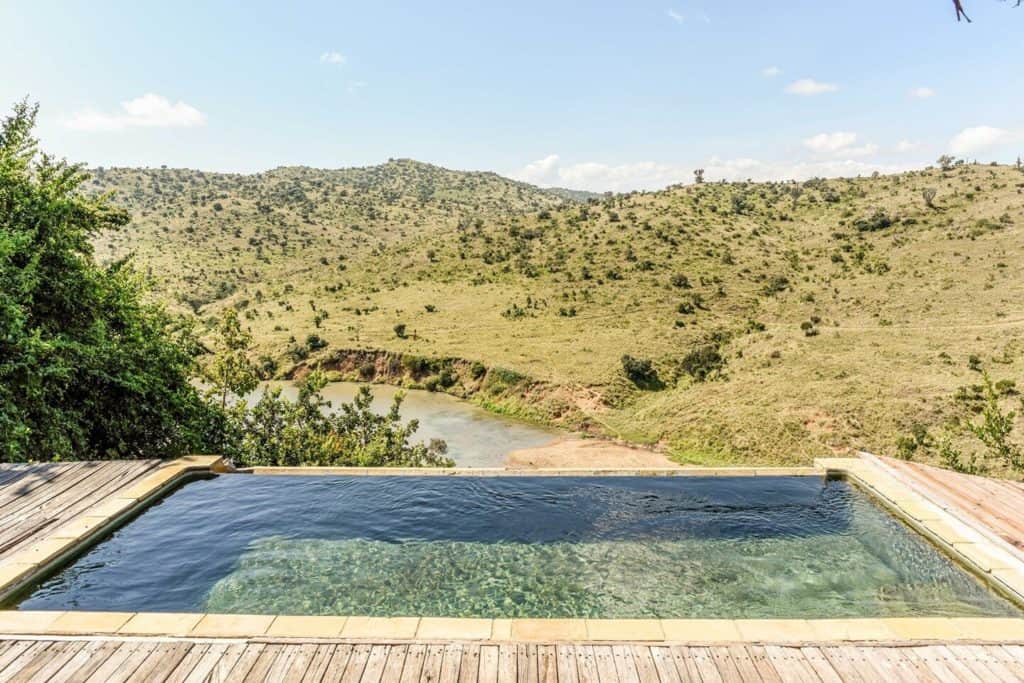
(640,371)
(703,362)
(315,342)
(775,285)
(400,330)
(876,220)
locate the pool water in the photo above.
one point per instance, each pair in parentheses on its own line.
(597,547)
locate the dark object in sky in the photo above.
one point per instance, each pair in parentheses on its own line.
(960,13)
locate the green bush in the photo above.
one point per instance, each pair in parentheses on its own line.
(640,371)
(703,362)
(88,368)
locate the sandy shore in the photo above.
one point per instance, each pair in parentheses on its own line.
(574,452)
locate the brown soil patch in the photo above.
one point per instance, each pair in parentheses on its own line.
(574,452)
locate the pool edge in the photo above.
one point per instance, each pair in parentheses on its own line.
(998,568)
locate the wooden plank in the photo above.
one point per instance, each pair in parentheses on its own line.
(28,667)
(644,662)
(260,667)
(763,664)
(280,666)
(972,654)
(686,664)
(431,670)
(304,654)
(821,665)
(586,664)
(604,659)
(86,668)
(339,660)
(469,667)
(207,663)
(665,665)
(706,666)
(843,661)
(238,657)
(412,667)
(964,673)
(523,673)
(109,667)
(507,659)
(625,666)
(790,664)
(374,668)
(489,658)
(68,670)
(450,663)
(134,661)
(14,658)
(356,663)
(1013,664)
(547,664)
(395,663)
(565,660)
(727,666)
(930,665)
(180,672)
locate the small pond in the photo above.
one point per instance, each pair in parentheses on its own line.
(475,437)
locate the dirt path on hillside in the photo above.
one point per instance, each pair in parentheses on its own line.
(575,452)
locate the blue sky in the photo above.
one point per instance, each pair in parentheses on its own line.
(593,95)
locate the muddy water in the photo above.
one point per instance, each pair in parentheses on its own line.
(475,437)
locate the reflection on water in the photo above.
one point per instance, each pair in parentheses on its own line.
(475,437)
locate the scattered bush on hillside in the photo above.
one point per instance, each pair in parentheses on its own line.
(878,219)
(703,362)
(641,372)
(928,194)
(399,330)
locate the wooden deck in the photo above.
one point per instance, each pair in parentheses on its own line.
(36,500)
(993,504)
(55,661)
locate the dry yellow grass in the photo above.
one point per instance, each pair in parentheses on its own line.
(899,309)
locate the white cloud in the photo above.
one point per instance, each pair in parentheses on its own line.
(771,72)
(332,57)
(148,111)
(907,145)
(651,175)
(675,16)
(922,92)
(839,143)
(809,86)
(974,139)
(830,142)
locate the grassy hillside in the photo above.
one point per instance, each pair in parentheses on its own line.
(782,320)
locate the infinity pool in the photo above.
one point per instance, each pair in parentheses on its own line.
(598,547)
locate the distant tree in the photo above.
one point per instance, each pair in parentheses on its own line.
(231,372)
(946,162)
(400,330)
(928,194)
(698,175)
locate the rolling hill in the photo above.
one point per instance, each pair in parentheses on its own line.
(764,322)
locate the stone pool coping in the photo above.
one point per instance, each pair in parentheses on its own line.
(991,559)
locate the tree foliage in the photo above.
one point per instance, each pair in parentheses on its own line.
(88,368)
